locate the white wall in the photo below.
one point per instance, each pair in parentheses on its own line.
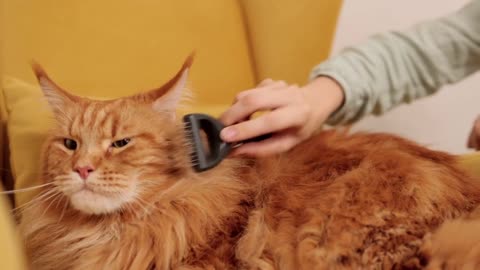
(442,121)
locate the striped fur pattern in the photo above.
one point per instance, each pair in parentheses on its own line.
(337,201)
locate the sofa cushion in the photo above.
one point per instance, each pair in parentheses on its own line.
(4,169)
(28,123)
(11,248)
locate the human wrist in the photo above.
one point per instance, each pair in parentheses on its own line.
(325,95)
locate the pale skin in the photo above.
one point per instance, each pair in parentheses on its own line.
(474,138)
(292,114)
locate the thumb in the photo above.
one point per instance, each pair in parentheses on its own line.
(474,137)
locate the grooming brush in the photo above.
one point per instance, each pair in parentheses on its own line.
(205,157)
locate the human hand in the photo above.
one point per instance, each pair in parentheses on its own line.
(293,114)
(474,138)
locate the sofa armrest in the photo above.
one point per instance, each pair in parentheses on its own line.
(5,171)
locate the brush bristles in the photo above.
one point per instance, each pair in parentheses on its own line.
(187,126)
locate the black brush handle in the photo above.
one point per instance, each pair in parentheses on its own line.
(202,158)
(258,138)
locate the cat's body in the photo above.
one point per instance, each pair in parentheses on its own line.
(337,201)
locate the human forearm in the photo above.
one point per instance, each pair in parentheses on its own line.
(398,67)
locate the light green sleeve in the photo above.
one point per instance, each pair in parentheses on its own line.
(398,67)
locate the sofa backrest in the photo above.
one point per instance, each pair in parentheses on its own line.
(289,37)
(115,48)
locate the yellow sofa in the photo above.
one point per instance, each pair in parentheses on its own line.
(112,48)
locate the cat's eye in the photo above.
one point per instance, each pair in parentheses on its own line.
(70,144)
(120,143)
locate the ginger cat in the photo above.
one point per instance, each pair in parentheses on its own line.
(121,194)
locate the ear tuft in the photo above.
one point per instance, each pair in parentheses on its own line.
(38,70)
(166,98)
(178,81)
(55,95)
(189,61)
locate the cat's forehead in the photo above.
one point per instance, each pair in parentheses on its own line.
(106,118)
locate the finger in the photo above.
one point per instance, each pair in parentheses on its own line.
(241,94)
(476,141)
(279,84)
(474,137)
(276,85)
(471,142)
(274,145)
(264,85)
(265,82)
(257,100)
(270,82)
(271,122)
(476,126)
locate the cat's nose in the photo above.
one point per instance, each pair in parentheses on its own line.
(84,171)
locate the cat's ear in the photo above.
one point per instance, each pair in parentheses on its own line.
(166,98)
(58,98)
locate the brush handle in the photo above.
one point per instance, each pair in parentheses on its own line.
(201,157)
(207,156)
(258,138)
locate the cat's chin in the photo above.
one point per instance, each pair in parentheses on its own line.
(93,203)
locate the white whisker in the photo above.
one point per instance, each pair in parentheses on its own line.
(50,197)
(37,199)
(25,189)
(145,209)
(62,177)
(63,210)
(58,203)
(126,207)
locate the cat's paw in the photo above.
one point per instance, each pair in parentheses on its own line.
(455,245)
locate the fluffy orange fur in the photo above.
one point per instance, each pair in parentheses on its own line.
(337,201)
(455,245)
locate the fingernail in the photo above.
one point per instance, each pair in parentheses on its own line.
(228,133)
